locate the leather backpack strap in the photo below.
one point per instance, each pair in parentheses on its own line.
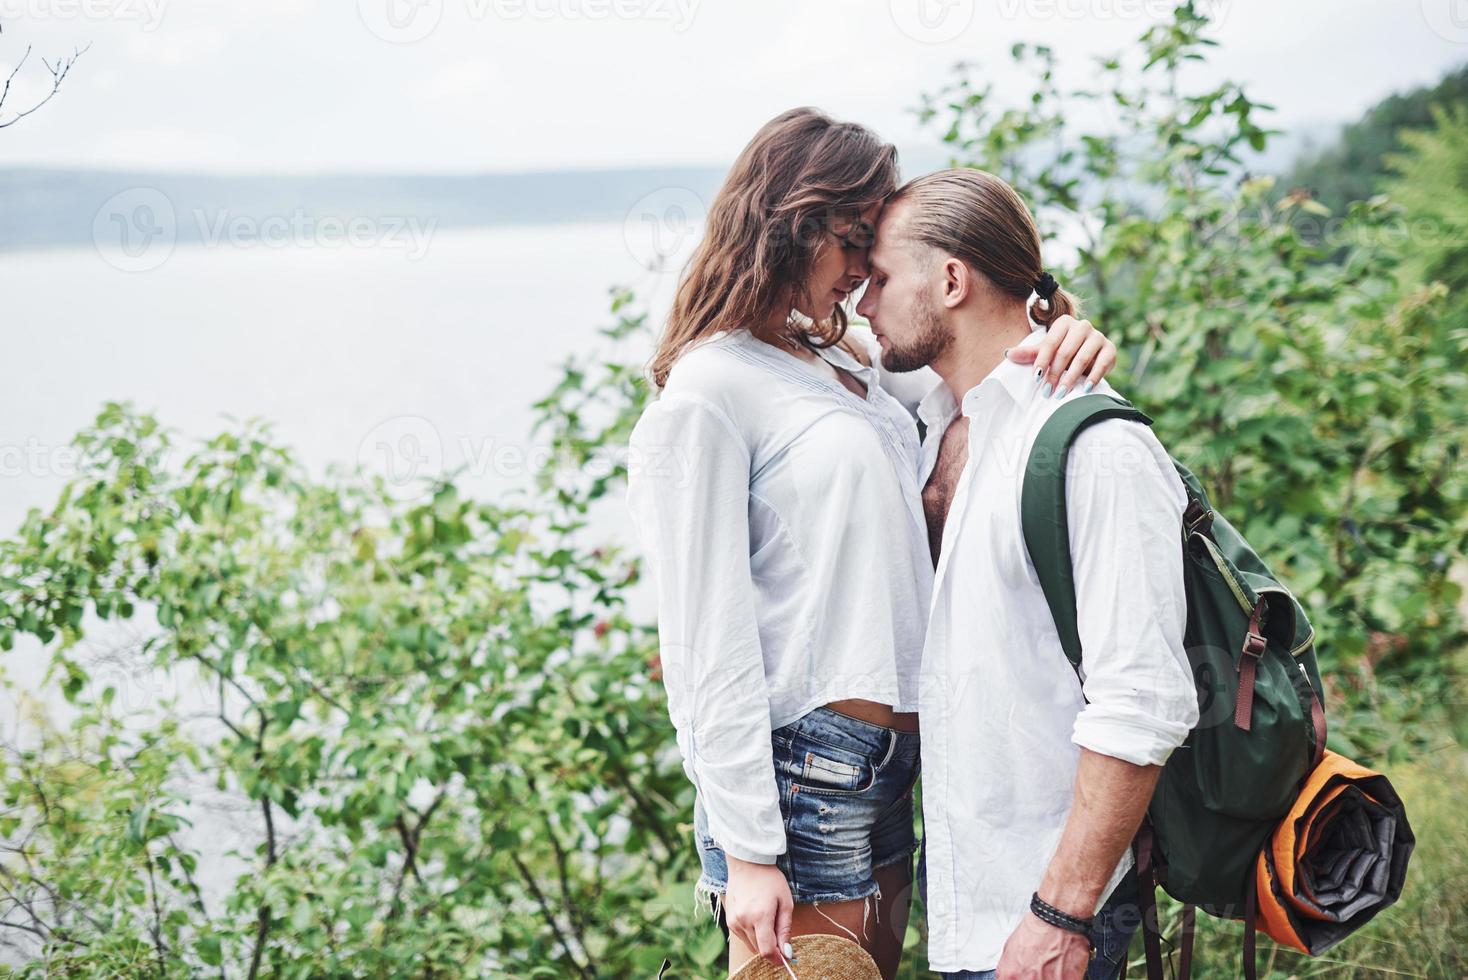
(1254,646)
(1317,721)
(1185,958)
(1147,900)
(1251,911)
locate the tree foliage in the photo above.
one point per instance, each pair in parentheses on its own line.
(1354,166)
(431,723)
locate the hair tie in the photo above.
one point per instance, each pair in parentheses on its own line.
(1046,286)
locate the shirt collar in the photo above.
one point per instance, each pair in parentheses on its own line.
(838,355)
(938,407)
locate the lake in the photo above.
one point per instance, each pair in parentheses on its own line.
(341,347)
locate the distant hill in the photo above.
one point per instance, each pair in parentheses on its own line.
(50,208)
(1351,167)
(46,208)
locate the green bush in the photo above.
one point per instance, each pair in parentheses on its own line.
(432,720)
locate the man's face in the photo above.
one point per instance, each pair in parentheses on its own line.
(900,299)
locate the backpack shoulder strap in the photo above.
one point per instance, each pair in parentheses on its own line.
(1042,505)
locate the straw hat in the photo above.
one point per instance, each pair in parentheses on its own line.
(817,957)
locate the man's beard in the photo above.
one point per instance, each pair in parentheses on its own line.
(929,340)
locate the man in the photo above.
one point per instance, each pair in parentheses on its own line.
(1034,783)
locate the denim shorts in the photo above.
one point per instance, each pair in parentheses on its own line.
(846,798)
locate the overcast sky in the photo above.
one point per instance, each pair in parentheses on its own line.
(508,85)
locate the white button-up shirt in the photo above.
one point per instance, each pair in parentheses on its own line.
(1003,716)
(781,517)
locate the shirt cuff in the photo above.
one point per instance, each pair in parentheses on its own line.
(750,856)
(1139,739)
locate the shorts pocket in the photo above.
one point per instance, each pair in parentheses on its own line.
(815,767)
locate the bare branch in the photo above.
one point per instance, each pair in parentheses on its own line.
(58,71)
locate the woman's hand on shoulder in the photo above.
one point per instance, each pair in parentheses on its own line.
(1072,353)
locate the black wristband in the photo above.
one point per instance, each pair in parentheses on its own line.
(1046,912)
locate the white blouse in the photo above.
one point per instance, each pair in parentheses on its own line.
(781,516)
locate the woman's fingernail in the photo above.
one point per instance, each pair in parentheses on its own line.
(789,952)
(1060,392)
(1086,388)
(1007,350)
(1039,373)
(1045,392)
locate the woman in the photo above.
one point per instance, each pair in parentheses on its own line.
(774,486)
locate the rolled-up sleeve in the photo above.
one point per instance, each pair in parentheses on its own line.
(688,492)
(1124,503)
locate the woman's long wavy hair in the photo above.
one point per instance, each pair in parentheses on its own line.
(802,171)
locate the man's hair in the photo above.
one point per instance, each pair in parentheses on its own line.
(974,216)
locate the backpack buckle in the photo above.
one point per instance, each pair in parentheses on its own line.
(1196,515)
(1254,642)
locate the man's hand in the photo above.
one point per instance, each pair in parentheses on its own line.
(1040,951)
(1110,797)
(1072,352)
(758,907)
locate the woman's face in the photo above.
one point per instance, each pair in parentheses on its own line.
(840,264)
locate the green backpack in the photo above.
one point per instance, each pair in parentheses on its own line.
(1261,728)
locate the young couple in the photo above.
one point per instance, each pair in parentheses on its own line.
(826,578)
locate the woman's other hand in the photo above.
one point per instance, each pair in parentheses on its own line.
(758,907)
